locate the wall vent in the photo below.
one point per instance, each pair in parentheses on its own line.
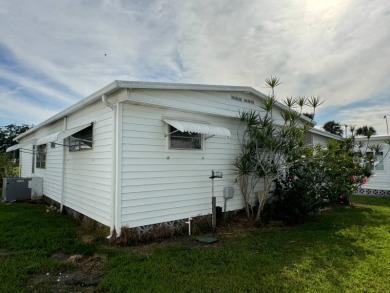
(242,100)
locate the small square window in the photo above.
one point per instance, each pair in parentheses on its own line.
(184,140)
(82,140)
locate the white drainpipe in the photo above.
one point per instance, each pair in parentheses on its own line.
(114,167)
(189,226)
(118,168)
(63,170)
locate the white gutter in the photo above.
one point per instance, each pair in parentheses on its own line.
(63,169)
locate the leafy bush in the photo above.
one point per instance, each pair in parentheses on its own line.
(324,175)
(269,144)
(7,168)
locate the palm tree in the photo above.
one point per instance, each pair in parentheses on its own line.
(333,127)
(365,130)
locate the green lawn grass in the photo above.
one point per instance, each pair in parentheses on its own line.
(29,236)
(344,249)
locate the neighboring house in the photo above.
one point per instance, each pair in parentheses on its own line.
(317,136)
(379,183)
(136,153)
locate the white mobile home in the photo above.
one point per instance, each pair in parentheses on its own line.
(379,183)
(137,153)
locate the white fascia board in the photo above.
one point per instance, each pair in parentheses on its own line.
(79,105)
(374,137)
(181,86)
(202,87)
(120,84)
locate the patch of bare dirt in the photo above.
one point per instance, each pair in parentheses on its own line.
(84,278)
(5,252)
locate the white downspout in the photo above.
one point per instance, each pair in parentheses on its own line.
(113,170)
(63,170)
(118,169)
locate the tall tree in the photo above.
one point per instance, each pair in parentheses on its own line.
(7,135)
(333,127)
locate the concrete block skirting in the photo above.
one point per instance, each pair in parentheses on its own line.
(373,192)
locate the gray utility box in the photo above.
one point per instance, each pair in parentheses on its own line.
(22,188)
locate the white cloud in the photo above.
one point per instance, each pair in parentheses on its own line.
(371,116)
(19,110)
(28,82)
(337,49)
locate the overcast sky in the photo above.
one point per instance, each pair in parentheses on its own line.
(54,53)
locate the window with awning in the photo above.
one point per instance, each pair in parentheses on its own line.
(187,135)
(81,140)
(61,135)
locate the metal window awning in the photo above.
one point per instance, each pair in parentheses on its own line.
(20,145)
(59,136)
(197,127)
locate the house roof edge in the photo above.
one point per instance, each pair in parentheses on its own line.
(122,84)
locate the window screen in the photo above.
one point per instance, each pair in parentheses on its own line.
(184,140)
(81,141)
(41,156)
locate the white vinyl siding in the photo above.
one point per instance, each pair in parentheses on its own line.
(381,179)
(156,184)
(161,184)
(206,102)
(26,161)
(319,139)
(88,174)
(51,174)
